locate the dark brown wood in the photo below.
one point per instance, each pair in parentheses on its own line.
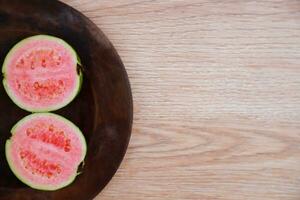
(102,110)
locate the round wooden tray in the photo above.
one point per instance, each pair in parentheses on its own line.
(102,110)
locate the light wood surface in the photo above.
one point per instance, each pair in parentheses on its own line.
(216,87)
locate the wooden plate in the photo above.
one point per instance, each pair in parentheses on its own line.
(103,109)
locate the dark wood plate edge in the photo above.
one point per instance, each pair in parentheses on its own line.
(130,106)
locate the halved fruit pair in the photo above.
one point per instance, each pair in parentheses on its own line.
(41,74)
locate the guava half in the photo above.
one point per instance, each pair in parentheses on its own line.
(41,73)
(45,151)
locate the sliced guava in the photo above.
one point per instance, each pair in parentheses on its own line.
(45,151)
(41,73)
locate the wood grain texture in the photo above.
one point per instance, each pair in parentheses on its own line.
(216,93)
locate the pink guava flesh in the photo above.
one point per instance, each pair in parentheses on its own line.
(45,151)
(41,74)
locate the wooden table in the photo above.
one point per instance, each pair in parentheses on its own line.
(216,87)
